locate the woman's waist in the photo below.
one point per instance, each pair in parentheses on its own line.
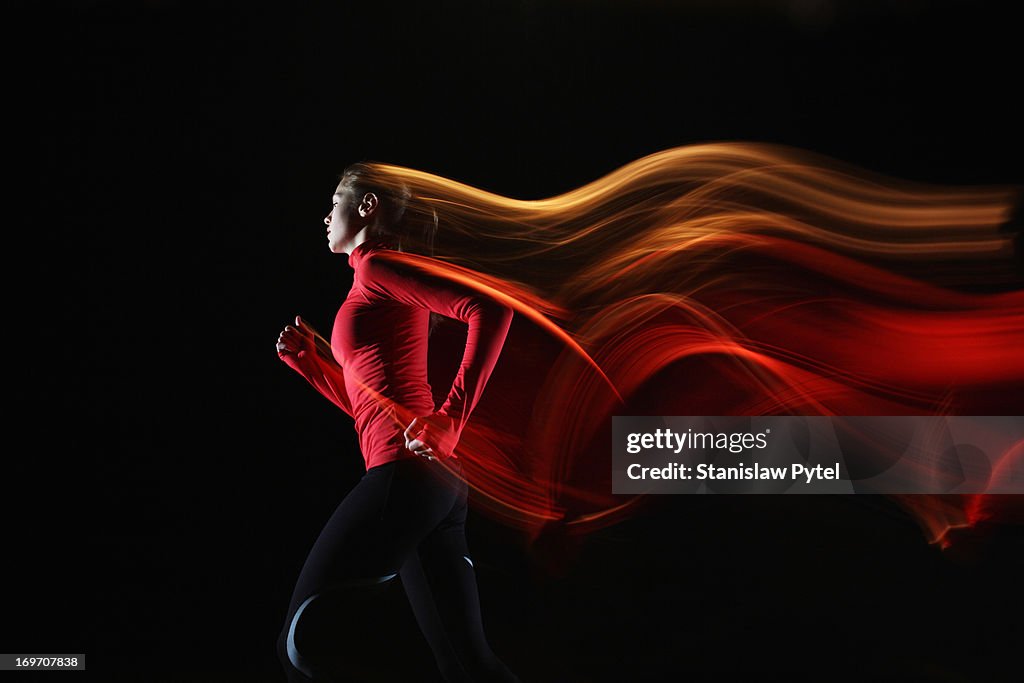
(387,413)
(373,403)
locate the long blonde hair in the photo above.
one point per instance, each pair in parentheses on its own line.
(683,211)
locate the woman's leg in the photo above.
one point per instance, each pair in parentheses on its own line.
(440,582)
(359,551)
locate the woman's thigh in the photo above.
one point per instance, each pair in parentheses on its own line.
(334,613)
(380,522)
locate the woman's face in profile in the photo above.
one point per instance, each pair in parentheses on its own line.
(338,221)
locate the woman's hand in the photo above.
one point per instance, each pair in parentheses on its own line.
(295,342)
(432,436)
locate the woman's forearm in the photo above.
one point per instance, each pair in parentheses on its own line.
(488,323)
(324,374)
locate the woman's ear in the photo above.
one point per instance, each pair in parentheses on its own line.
(368,205)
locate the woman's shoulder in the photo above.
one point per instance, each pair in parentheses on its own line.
(380,259)
(363,251)
(370,260)
(378,268)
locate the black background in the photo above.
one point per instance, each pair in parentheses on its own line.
(207,138)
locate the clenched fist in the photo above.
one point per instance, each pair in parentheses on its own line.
(296,341)
(432,436)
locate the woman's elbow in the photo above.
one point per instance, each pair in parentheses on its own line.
(501,315)
(493,312)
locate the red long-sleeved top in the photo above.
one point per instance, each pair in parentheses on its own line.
(379,343)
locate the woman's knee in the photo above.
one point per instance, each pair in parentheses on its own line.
(291,634)
(318,628)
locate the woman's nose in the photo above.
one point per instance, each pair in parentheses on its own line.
(327,219)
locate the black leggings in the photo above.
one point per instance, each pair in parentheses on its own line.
(403,518)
